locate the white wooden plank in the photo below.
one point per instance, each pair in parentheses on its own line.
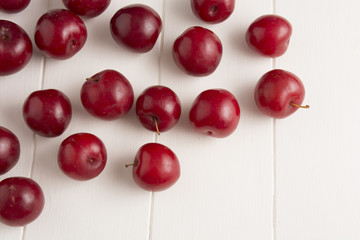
(318,164)
(110,206)
(225,188)
(13,91)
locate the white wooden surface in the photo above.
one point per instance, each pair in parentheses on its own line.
(296,178)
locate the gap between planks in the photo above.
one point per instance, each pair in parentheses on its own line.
(274,217)
(156,136)
(41,86)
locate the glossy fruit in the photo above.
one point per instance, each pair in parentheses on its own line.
(215,112)
(9,150)
(82,156)
(47,112)
(87,8)
(60,34)
(21,201)
(197,51)
(213,11)
(137,27)
(158,108)
(13,6)
(155,167)
(279,93)
(269,35)
(107,95)
(15,48)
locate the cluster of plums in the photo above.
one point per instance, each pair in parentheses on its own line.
(108,95)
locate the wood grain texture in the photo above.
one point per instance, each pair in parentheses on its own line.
(13,91)
(225,190)
(111,205)
(318,187)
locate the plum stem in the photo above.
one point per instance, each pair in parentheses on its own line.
(130,164)
(92,79)
(299,106)
(156,125)
(135,163)
(73,43)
